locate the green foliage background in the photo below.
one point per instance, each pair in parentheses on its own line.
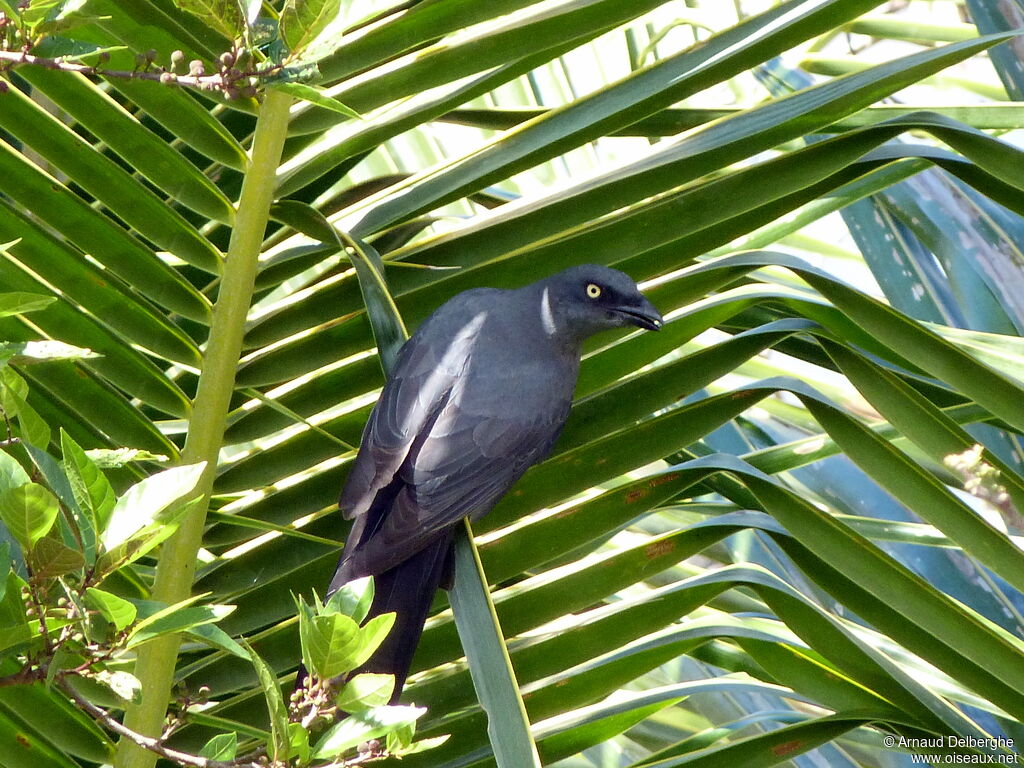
(747,548)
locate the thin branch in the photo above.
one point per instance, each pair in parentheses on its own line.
(219,81)
(24,676)
(146,742)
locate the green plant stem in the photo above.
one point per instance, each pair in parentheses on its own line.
(176,568)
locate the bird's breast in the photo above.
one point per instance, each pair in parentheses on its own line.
(514,384)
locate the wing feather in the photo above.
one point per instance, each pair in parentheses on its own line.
(427,368)
(480,463)
(449,435)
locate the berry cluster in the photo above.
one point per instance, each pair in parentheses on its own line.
(234,74)
(313,703)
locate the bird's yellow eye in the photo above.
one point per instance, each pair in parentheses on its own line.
(593,290)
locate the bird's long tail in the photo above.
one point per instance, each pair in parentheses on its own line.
(407,590)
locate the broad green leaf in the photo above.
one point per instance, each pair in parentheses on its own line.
(29,512)
(12,474)
(252,10)
(362,726)
(5,568)
(225,16)
(89,485)
(333,640)
(36,11)
(223,747)
(149,501)
(12,607)
(216,637)
(353,599)
(311,653)
(13,390)
(365,691)
(298,742)
(50,558)
(123,685)
(114,609)
(34,430)
(77,529)
(182,617)
(422,745)
(302,22)
(109,458)
(371,635)
(99,693)
(144,540)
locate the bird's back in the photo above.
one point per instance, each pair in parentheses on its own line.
(468,408)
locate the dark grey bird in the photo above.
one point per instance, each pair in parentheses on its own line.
(477,395)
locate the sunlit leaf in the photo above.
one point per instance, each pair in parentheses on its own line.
(29,512)
(114,609)
(148,501)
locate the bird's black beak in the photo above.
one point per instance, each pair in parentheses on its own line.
(642,313)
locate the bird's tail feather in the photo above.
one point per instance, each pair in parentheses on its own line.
(408,590)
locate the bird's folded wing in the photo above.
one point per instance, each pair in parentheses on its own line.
(462,467)
(417,390)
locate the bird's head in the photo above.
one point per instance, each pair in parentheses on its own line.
(584,300)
